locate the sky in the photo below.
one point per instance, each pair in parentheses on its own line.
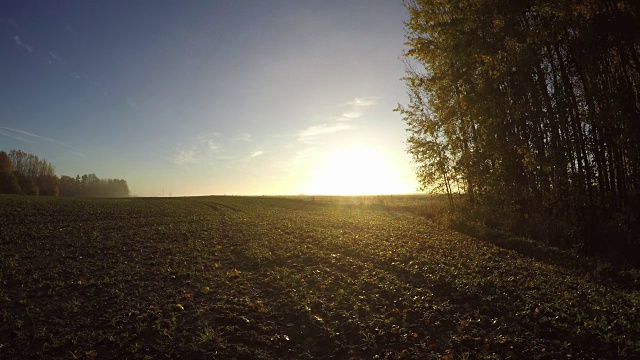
(235,97)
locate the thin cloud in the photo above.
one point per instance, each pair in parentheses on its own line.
(183,157)
(243,137)
(355,108)
(200,150)
(56,57)
(22,44)
(43,54)
(351,115)
(227,157)
(29,134)
(208,142)
(13,136)
(43,138)
(363,101)
(10,23)
(239,163)
(212,146)
(315,131)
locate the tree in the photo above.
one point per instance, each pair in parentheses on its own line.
(90,185)
(25,173)
(27,186)
(435,164)
(48,185)
(533,107)
(69,186)
(5,163)
(8,181)
(30,165)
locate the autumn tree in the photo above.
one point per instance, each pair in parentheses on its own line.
(48,185)
(69,186)
(27,185)
(30,165)
(534,109)
(8,181)
(35,176)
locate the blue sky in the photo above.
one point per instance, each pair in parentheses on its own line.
(209,97)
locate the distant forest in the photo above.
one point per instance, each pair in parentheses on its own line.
(27,174)
(531,109)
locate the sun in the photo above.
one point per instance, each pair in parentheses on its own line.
(355,170)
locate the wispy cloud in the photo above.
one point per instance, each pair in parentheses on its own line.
(213,146)
(350,115)
(355,108)
(10,23)
(311,133)
(241,162)
(201,149)
(41,53)
(352,110)
(56,57)
(362,101)
(243,137)
(183,157)
(16,134)
(29,134)
(208,141)
(21,43)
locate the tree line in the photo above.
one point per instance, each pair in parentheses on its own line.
(531,109)
(27,174)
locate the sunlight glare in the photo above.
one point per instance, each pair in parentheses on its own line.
(355,171)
